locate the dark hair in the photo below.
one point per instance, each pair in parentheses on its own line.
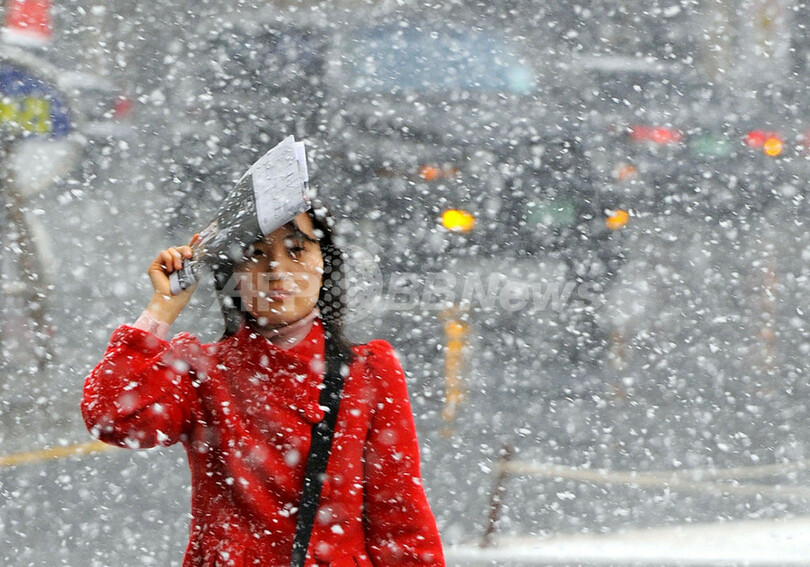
(331,299)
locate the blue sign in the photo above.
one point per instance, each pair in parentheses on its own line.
(29,106)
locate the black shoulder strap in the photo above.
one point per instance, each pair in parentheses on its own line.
(322,435)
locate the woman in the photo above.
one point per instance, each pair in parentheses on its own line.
(244,406)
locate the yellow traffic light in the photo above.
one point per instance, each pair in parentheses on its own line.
(458,221)
(773,146)
(617,220)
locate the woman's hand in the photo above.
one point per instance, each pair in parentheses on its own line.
(164,306)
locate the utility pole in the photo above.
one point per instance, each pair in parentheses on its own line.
(456,332)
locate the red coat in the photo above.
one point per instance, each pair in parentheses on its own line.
(243,408)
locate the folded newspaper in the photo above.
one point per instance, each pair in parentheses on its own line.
(269,195)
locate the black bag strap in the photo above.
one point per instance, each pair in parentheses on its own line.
(322,434)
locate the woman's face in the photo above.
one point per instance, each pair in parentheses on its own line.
(280,280)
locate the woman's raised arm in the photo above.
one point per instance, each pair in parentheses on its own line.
(140,394)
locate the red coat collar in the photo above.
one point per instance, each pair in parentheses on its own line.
(252,342)
(294,375)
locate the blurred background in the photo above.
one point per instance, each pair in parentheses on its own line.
(582,226)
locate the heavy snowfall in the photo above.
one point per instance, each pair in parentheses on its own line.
(582,225)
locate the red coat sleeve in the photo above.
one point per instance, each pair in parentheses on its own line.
(140,395)
(400,526)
